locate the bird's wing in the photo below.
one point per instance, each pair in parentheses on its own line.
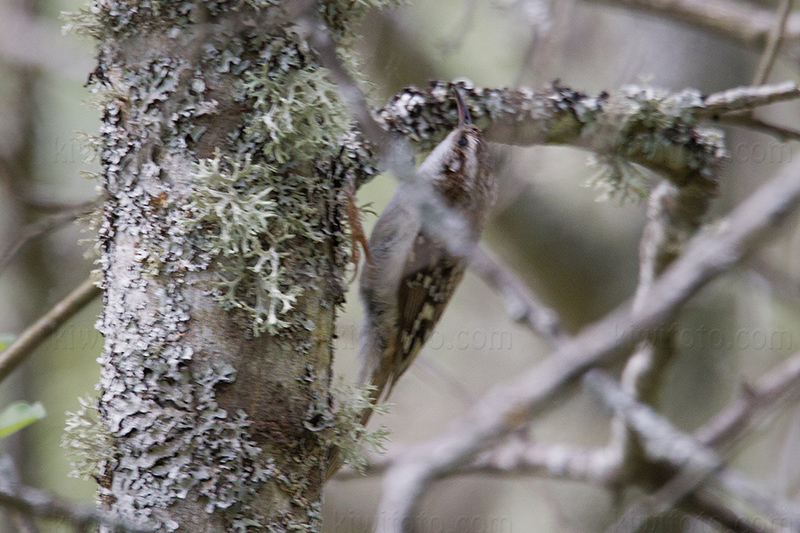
(430,279)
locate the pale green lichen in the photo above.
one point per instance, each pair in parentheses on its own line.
(251,212)
(87,441)
(235,212)
(617,178)
(298,115)
(659,125)
(347,433)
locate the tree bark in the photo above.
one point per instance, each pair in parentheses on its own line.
(224,150)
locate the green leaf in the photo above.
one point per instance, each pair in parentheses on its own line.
(18,415)
(5,340)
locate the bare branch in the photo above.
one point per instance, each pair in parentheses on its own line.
(31,338)
(745,98)
(767,60)
(711,508)
(746,120)
(740,21)
(522,305)
(729,424)
(669,226)
(517,458)
(694,460)
(42,227)
(45,505)
(509,405)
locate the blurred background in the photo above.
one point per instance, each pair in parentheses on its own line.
(579,255)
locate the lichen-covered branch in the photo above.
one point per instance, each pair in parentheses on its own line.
(655,129)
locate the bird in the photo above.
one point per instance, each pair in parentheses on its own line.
(412,273)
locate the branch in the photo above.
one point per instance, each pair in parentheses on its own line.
(728,425)
(31,338)
(510,405)
(745,98)
(693,460)
(521,304)
(734,19)
(767,60)
(709,507)
(43,226)
(748,121)
(671,221)
(652,128)
(45,505)
(559,461)
(513,459)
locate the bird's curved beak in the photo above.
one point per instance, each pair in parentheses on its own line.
(463,111)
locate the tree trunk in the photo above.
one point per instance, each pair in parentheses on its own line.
(224,150)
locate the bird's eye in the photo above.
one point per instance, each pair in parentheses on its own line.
(462,141)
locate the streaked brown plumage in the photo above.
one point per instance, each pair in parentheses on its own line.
(412,275)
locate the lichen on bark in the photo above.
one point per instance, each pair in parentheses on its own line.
(224,152)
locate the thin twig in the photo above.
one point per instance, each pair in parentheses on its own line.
(740,21)
(511,404)
(514,459)
(42,227)
(747,120)
(696,461)
(727,425)
(745,98)
(42,504)
(521,304)
(767,60)
(31,338)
